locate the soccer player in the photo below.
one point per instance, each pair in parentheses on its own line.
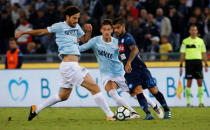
(137,76)
(112,73)
(193,50)
(68,33)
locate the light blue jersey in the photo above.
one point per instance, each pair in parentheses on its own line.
(66,37)
(106,54)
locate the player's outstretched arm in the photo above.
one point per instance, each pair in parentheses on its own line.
(204,56)
(134,50)
(181,63)
(37,32)
(88,32)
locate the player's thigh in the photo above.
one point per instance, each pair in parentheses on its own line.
(153,90)
(189,82)
(110,85)
(90,84)
(65,93)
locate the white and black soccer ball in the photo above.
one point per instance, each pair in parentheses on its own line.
(123,113)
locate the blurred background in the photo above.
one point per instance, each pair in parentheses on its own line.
(158,26)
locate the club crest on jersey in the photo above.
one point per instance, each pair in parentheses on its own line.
(122,40)
(121,48)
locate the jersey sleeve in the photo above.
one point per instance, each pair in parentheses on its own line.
(183,48)
(80,32)
(87,46)
(54,28)
(203,47)
(130,41)
(170,47)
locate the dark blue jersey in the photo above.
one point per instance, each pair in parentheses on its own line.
(124,43)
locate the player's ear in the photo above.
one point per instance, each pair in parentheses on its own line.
(67,17)
(101,29)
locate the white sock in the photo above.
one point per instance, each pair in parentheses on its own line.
(149,101)
(119,100)
(49,102)
(101,102)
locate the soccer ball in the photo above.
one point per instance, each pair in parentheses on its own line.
(123,113)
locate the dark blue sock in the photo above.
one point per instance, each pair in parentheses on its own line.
(159,96)
(143,102)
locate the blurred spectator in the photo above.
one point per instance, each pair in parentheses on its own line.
(21,2)
(41,21)
(3,4)
(25,39)
(31,48)
(9,9)
(163,23)
(15,13)
(13,56)
(183,12)
(32,14)
(137,33)
(176,29)
(149,30)
(165,47)
(52,15)
(163,4)
(154,47)
(49,43)
(6,31)
(143,15)
(134,11)
(206,19)
(193,21)
(138,14)
(39,48)
(206,38)
(151,5)
(109,14)
(129,22)
(40,4)
(200,19)
(123,14)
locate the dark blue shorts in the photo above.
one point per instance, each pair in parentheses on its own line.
(140,76)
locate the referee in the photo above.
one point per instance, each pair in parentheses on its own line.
(193,51)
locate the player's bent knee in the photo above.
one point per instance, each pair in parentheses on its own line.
(108,88)
(64,97)
(64,94)
(154,90)
(138,90)
(95,90)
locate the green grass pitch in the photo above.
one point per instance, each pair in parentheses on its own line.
(94,119)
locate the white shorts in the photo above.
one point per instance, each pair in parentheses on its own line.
(119,80)
(71,74)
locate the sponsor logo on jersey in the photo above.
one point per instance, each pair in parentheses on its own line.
(105,54)
(71,32)
(121,48)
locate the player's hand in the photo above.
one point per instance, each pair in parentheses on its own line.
(19,34)
(128,68)
(88,27)
(206,68)
(180,71)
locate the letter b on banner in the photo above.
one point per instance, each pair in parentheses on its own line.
(45,90)
(171,89)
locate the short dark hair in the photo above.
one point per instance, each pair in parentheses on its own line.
(107,22)
(193,25)
(164,36)
(119,21)
(71,10)
(12,39)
